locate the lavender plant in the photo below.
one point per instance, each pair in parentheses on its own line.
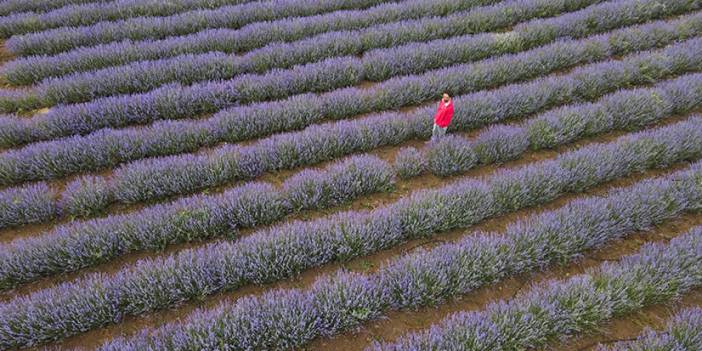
(658,273)
(473,110)
(28,204)
(684,332)
(409,162)
(500,143)
(248,37)
(429,277)
(450,155)
(317,189)
(86,196)
(19,100)
(195,13)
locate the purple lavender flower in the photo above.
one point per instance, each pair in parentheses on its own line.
(315,189)
(409,162)
(451,155)
(86,197)
(29,204)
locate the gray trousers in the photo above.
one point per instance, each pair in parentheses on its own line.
(438,132)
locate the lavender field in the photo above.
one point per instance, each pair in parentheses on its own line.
(267,175)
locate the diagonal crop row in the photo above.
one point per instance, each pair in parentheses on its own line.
(416,280)
(285,55)
(376,65)
(211,12)
(684,332)
(629,110)
(9,7)
(177,102)
(282,251)
(183,174)
(250,36)
(658,273)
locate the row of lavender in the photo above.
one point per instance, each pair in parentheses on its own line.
(108,148)
(658,273)
(623,110)
(59,40)
(198,11)
(684,332)
(286,250)
(420,279)
(376,65)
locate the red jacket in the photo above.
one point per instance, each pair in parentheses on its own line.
(444,114)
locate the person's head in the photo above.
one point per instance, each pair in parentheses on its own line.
(446,97)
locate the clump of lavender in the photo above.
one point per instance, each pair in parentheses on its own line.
(450,155)
(500,143)
(28,204)
(86,196)
(348,179)
(409,162)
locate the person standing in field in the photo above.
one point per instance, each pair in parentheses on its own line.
(442,118)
